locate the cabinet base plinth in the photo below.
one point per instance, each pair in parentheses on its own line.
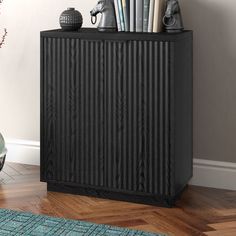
(148,199)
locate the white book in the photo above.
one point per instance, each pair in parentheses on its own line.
(132,15)
(139,15)
(158,15)
(151,15)
(117,15)
(125,12)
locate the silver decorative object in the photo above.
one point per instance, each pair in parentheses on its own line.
(108,18)
(71,20)
(3,151)
(172,19)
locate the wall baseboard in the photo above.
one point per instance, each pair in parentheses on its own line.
(214,174)
(23,151)
(206,173)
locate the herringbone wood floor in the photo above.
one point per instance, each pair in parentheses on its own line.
(200,211)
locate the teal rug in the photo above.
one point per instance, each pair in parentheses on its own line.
(21,223)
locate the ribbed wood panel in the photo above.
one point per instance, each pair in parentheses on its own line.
(106,118)
(137,116)
(72,128)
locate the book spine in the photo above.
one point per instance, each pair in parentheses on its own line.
(122,21)
(139,15)
(158,14)
(132,16)
(117,15)
(128,13)
(150,16)
(146,4)
(162,13)
(125,11)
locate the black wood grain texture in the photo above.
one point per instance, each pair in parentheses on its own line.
(116,112)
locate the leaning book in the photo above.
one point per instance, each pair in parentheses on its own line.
(151,15)
(122,21)
(117,15)
(158,15)
(125,4)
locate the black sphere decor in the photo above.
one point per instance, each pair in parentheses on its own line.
(71,19)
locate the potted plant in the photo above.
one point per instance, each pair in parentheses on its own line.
(3,36)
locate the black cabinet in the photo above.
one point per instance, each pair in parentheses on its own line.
(116,114)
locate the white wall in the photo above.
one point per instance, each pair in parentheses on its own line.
(19,61)
(214,25)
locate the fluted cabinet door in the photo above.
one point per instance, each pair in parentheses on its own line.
(72,118)
(137,116)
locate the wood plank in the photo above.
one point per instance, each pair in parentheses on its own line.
(224,225)
(200,211)
(223,232)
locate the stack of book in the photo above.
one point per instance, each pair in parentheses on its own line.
(139,15)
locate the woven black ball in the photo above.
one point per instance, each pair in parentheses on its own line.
(71,20)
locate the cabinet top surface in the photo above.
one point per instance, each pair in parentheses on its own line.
(93,33)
